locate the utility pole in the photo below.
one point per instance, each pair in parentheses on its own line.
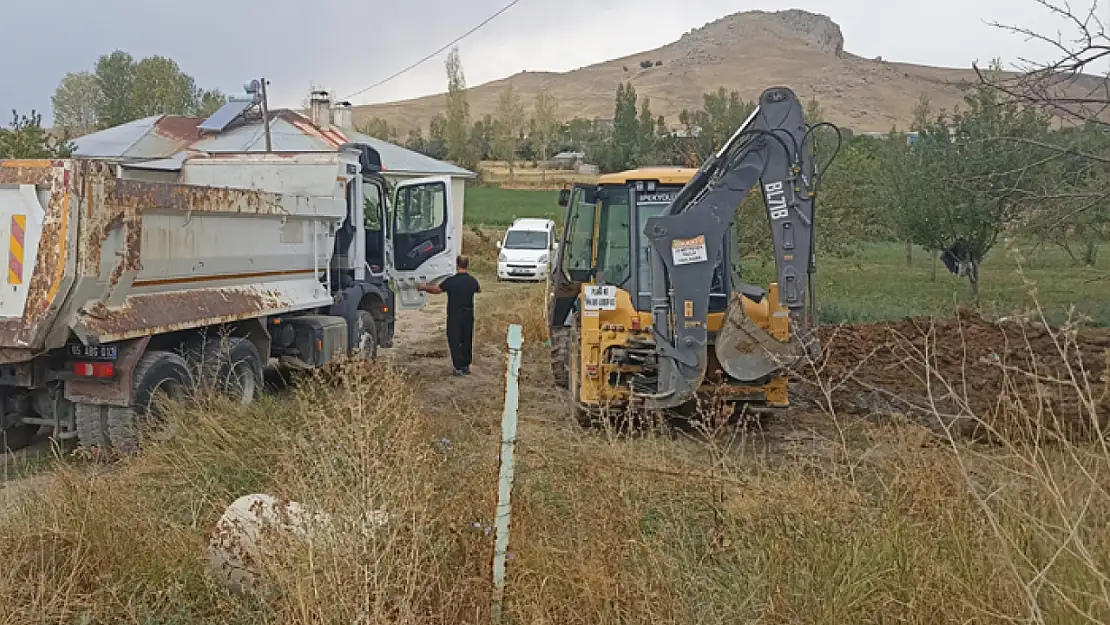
(266,115)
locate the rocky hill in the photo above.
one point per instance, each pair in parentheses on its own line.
(745,52)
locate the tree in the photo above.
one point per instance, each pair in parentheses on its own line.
(647,151)
(625,147)
(160,87)
(969,177)
(209,102)
(26,138)
(508,125)
(1073,213)
(115,81)
(712,125)
(545,124)
(457,131)
(438,137)
(379,129)
(1073,89)
(74,103)
(122,90)
(415,141)
(481,138)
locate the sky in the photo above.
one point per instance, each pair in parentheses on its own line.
(347,46)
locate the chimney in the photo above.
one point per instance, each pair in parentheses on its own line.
(342,116)
(321,109)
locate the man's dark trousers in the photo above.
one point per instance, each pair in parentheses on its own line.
(460,338)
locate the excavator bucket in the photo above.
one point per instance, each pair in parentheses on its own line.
(749,353)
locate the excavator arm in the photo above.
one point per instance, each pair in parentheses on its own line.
(772,148)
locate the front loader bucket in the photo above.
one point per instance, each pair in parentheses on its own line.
(747,352)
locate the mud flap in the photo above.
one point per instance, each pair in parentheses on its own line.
(747,352)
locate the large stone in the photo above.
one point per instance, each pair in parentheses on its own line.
(237,548)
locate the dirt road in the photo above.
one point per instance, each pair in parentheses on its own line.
(477,400)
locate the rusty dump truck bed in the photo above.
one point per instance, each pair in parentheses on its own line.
(99,253)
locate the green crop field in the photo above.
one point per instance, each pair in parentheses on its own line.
(493,206)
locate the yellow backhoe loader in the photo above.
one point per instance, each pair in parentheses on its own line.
(646,304)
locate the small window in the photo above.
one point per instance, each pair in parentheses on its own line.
(614,240)
(578,254)
(526,240)
(421,208)
(372,205)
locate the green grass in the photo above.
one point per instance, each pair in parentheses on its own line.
(493,206)
(876,285)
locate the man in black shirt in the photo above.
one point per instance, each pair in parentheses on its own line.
(460,289)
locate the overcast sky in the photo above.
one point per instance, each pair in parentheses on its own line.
(346,46)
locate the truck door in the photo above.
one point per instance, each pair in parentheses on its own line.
(422,237)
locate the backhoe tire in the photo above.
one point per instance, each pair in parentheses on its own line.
(560,352)
(158,373)
(578,412)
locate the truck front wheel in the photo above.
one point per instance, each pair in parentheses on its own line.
(366,346)
(159,375)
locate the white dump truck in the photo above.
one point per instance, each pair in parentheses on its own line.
(125,281)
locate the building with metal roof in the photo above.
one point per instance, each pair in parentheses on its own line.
(170,138)
(163,142)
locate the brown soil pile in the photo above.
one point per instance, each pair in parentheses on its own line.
(1017,379)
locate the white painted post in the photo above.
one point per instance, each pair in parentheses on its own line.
(505,485)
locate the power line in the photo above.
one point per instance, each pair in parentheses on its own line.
(432,55)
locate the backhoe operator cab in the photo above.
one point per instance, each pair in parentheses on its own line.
(647,307)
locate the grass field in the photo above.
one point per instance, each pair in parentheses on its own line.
(856,521)
(817,517)
(874,284)
(493,206)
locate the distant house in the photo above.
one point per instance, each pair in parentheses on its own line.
(568,160)
(162,142)
(911,137)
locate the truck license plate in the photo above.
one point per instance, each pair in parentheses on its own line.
(94,352)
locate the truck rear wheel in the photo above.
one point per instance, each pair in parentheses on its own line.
(17,436)
(92,426)
(158,375)
(231,367)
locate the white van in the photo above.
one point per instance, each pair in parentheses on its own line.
(527,250)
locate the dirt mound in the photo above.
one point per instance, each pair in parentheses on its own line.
(1017,379)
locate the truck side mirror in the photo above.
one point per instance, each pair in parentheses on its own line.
(564,197)
(498,244)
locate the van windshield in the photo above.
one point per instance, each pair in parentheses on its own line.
(526,240)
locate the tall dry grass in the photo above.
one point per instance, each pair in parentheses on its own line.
(854,523)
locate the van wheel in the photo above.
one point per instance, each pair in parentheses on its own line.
(232,367)
(158,376)
(17,436)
